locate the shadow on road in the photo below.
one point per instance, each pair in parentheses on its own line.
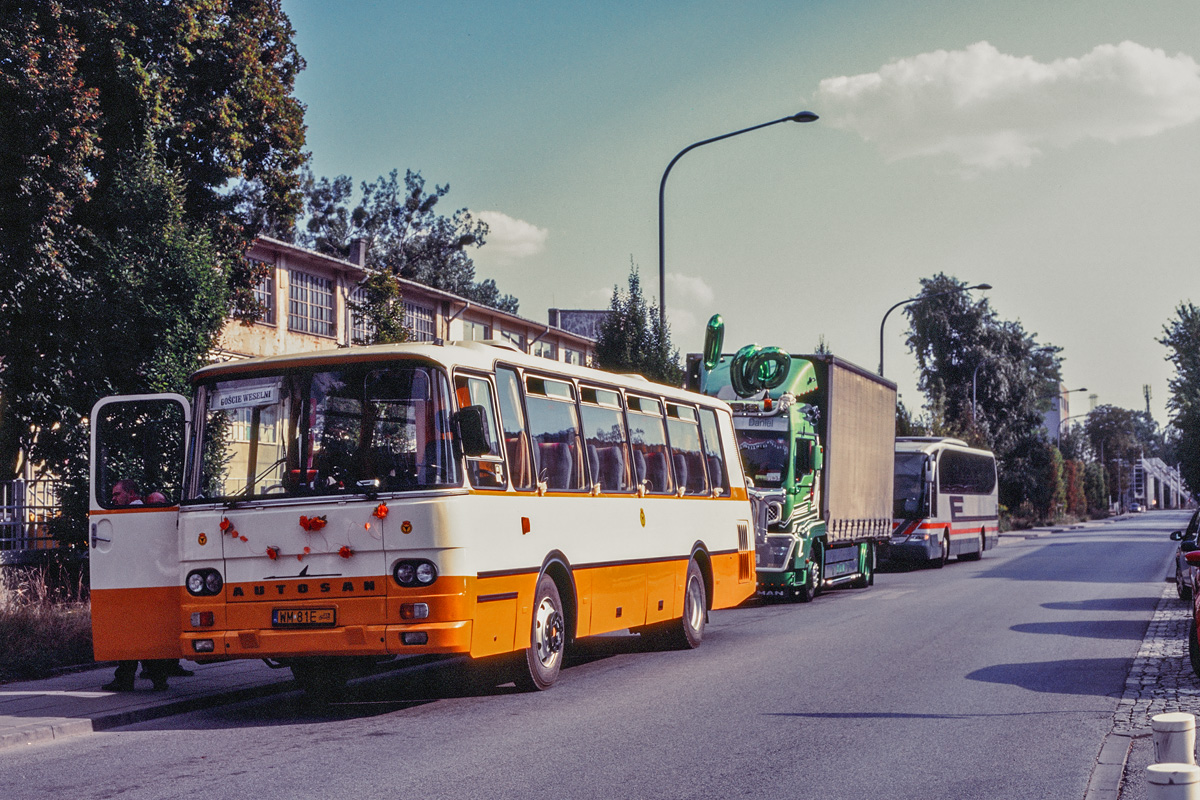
(1132,629)
(1106,604)
(1104,677)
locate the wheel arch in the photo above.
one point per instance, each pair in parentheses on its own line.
(558,567)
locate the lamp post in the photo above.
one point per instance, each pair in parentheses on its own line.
(984,286)
(802,116)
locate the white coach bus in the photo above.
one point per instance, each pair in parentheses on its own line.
(349,505)
(945,500)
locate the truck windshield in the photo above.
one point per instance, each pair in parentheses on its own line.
(764,456)
(906,495)
(364,428)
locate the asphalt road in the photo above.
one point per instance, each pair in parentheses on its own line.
(989,679)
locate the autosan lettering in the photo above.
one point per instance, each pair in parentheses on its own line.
(324,587)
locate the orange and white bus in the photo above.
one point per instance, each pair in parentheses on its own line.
(946,501)
(339,507)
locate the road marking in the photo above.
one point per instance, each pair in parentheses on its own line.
(47,693)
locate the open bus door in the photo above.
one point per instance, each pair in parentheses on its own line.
(134,549)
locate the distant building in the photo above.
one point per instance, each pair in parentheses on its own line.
(306,299)
(579,321)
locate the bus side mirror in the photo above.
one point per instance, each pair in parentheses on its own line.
(470,432)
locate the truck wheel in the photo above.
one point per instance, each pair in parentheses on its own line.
(866,575)
(811,587)
(543,659)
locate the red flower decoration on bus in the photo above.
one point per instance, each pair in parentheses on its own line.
(272,553)
(225,524)
(312,524)
(346,551)
(381,511)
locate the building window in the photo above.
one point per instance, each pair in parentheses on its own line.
(475,331)
(310,306)
(420,322)
(361,329)
(573,356)
(545,350)
(517,339)
(264,293)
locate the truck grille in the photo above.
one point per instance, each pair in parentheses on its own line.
(772,553)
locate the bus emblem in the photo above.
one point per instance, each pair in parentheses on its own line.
(202,539)
(406,527)
(643,517)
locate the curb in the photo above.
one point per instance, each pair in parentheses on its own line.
(1105,780)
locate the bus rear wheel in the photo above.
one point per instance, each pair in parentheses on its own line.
(543,659)
(688,631)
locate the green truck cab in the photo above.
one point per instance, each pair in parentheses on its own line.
(816,435)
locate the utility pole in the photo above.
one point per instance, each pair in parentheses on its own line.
(1146,392)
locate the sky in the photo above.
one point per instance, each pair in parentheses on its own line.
(1051,150)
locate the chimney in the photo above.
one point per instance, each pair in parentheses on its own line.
(358,251)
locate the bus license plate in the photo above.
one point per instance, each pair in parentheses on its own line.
(303,617)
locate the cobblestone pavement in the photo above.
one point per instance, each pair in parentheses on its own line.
(1161,678)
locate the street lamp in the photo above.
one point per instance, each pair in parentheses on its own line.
(803,116)
(984,286)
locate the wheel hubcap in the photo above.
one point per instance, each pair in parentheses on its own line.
(695,604)
(548,632)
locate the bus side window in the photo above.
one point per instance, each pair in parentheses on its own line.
(686,452)
(554,429)
(486,471)
(604,436)
(512,418)
(648,437)
(718,478)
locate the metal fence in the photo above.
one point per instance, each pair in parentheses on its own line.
(26,507)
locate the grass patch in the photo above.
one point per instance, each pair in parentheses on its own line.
(45,623)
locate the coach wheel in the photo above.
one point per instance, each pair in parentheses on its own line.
(945,556)
(547,640)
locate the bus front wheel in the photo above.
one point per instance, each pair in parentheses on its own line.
(547,640)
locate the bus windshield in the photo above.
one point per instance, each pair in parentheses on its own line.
(908,486)
(764,456)
(366,427)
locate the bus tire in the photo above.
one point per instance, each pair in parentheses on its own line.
(543,659)
(687,632)
(944,558)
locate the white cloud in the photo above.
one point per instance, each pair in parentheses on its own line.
(991,110)
(509,239)
(688,290)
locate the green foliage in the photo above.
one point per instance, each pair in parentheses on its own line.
(965,350)
(404,234)
(128,126)
(634,339)
(1118,437)
(1095,489)
(382,308)
(1181,337)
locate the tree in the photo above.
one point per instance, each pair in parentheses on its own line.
(1181,337)
(128,127)
(632,339)
(403,233)
(381,305)
(985,379)
(1111,432)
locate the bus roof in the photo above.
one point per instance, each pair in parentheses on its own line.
(930,444)
(482,355)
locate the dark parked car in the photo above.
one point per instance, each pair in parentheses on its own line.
(1185,576)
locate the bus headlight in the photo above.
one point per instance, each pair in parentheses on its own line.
(414,573)
(204,582)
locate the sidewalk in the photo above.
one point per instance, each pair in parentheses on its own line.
(74,704)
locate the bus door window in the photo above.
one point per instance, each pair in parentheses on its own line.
(512,419)
(554,426)
(605,440)
(411,421)
(683,426)
(486,471)
(714,459)
(648,438)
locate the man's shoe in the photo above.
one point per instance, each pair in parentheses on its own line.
(118,686)
(177,671)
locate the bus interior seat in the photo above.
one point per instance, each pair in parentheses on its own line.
(555,465)
(612,469)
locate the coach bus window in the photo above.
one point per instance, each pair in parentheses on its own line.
(909,486)
(604,439)
(649,440)
(684,429)
(554,428)
(966,473)
(717,476)
(486,471)
(512,418)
